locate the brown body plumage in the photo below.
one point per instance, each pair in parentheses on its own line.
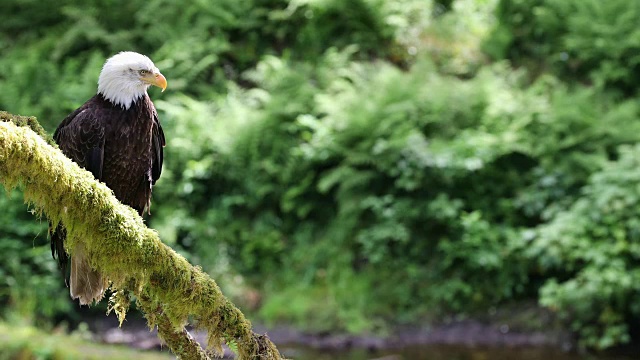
(122,146)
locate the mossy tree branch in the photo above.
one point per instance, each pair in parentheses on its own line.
(119,244)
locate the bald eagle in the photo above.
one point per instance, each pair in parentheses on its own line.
(116,135)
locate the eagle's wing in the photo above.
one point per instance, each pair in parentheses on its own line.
(157,148)
(80,136)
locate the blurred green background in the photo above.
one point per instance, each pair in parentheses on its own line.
(351,166)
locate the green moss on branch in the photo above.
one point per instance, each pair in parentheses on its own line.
(28,121)
(179,340)
(117,241)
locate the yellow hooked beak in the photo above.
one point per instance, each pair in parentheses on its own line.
(156,79)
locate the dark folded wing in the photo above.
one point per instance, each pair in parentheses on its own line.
(157,148)
(80,136)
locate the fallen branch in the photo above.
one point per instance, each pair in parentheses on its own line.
(119,244)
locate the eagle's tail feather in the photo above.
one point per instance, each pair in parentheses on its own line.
(85,283)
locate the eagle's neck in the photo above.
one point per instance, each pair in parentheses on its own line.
(140,109)
(121,92)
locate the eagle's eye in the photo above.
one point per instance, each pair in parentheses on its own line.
(143,72)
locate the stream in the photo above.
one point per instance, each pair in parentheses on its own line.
(444,352)
(467,340)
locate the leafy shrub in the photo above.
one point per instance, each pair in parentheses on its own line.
(28,275)
(592,249)
(52,56)
(588,41)
(45,47)
(386,194)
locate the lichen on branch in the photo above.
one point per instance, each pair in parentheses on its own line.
(117,241)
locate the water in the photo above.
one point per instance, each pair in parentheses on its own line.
(445,352)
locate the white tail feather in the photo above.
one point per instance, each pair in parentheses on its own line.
(85,283)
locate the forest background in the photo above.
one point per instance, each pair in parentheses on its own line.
(350,166)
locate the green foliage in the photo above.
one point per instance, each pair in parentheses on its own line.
(52,56)
(369,181)
(581,40)
(27,276)
(363,163)
(592,250)
(375,194)
(198,44)
(17,342)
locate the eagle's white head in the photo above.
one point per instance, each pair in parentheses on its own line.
(126,76)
